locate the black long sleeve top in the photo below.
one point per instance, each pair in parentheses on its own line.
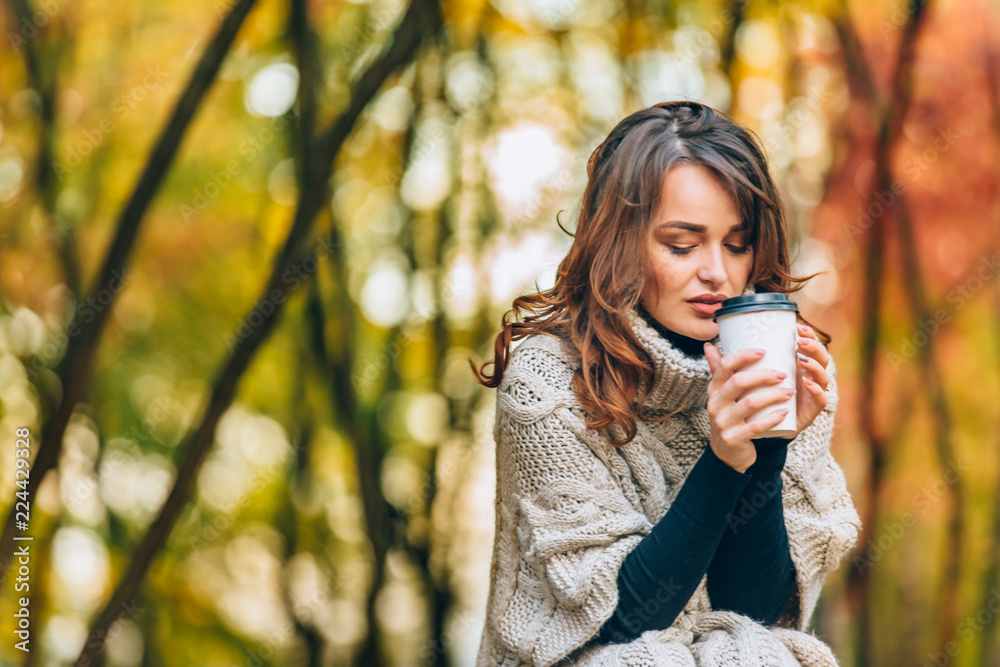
(724,523)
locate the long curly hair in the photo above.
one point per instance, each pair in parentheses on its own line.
(600,280)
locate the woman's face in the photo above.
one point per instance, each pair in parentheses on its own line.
(697,248)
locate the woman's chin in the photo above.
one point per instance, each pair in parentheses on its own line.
(702,333)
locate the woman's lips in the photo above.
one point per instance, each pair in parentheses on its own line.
(705,308)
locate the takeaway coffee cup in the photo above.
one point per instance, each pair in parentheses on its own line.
(764,320)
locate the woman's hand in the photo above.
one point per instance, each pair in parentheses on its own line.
(812,379)
(729,405)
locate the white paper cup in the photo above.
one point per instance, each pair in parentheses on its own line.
(764,320)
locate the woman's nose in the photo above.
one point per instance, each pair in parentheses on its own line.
(714,270)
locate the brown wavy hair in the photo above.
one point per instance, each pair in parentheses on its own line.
(599,280)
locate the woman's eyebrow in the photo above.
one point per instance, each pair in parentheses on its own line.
(695,227)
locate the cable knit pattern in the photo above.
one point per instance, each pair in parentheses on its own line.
(570,508)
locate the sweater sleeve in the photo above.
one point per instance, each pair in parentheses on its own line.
(660,575)
(752,571)
(570,522)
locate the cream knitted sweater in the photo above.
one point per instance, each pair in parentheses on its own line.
(570,508)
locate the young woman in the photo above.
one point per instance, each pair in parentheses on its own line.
(640,518)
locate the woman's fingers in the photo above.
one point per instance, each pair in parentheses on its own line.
(810,345)
(723,367)
(744,382)
(744,431)
(739,412)
(815,391)
(754,428)
(712,357)
(722,388)
(813,370)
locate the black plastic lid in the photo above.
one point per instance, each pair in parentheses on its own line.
(751,302)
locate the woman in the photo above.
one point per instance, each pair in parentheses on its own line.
(640,518)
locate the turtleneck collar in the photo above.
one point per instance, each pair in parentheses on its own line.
(680,380)
(689,346)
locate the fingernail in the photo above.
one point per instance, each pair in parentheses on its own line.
(803,358)
(781,375)
(803,328)
(759,351)
(789,391)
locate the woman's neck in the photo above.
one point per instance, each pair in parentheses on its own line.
(689,346)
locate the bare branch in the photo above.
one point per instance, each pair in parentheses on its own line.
(74,370)
(422,19)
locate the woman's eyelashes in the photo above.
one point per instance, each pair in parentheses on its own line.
(736,250)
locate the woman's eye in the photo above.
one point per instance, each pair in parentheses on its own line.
(678,250)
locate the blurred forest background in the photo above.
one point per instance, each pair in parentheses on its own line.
(247,248)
